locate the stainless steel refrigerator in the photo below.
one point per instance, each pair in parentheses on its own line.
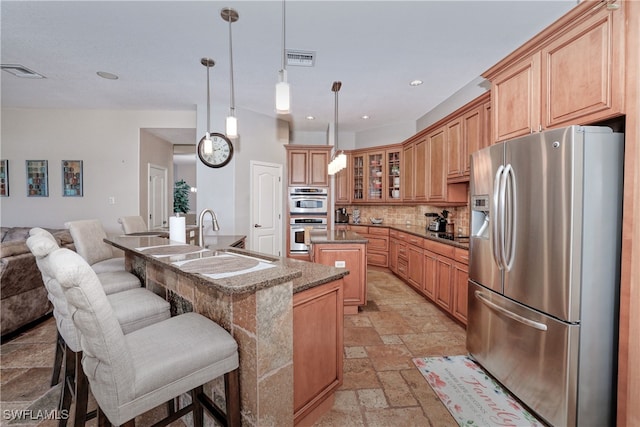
(544,270)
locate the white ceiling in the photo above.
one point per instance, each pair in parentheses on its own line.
(374,47)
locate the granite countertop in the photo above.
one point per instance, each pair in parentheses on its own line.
(462,243)
(336,236)
(264,270)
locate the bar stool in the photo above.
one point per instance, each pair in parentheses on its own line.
(88,237)
(132,224)
(131,374)
(133,308)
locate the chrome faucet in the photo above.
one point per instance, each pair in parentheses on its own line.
(216,227)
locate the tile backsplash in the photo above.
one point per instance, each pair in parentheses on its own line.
(413,215)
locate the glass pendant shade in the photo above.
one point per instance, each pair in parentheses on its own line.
(232,127)
(208,144)
(283,95)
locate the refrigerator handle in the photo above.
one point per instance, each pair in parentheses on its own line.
(496,238)
(536,325)
(511,177)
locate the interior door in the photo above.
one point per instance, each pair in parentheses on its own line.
(157,197)
(266,208)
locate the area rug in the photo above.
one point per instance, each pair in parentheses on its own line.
(472,396)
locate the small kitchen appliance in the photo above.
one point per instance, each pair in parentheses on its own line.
(438,223)
(342,217)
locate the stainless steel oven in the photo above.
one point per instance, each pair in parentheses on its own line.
(296,233)
(308,200)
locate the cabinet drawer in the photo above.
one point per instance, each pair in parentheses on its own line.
(394,234)
(439,248)
(377,258)
(401,235)
(461,255)
(402,250)
(378,243)
(362,229)
(414,240)
(402,267)
(381,231)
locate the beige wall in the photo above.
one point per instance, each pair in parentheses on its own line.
(157,152)
(106,140)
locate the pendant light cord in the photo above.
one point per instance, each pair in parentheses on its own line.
(208,104)
(232,92)
(283,37)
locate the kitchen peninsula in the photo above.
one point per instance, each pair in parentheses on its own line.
(286,316)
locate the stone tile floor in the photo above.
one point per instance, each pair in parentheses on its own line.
(381,387)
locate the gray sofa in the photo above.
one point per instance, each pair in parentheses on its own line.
(23,297)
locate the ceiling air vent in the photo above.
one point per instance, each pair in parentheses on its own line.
(21,71)
(301,58)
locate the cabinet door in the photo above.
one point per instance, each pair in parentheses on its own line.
(318,345)
(444,278)
(343,179)
(354,257)
(454,149)
(515,94)
(473,135)
(583,72)
(318,162)
(407,172)
(375,176)
(357,177)
(421,170)
(393,175)
(437,165)
(298,167)
(415,266)
(430,270)
(393,255)
(487,125)
(460,279)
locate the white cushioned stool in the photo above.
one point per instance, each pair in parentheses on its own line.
(88,237)
(131,374)
(132,224)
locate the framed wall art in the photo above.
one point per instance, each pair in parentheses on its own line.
(37,178)
(4,178)
(72,178)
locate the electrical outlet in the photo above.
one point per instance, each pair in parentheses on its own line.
(112,200)
(340,264)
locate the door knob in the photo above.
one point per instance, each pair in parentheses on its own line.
(257,225)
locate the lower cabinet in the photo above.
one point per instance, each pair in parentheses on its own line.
(415,266)
(318,345)
(460,297)
(444,277)
(354,258)
(378,245)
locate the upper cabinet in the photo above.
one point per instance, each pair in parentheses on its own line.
(308,165)
(571,73)
(343,180)
(357,176)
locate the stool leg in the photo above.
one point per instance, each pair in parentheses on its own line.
(57,361)
(67,384)
(232,397)
(81,393)
(198,413)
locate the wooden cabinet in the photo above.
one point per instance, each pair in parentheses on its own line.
(375,178)
(318,345)
(415,266)
(393,254)
(308,165)
(430,270)
(460,284)
(357,177)
(407,172)
(378,244)
(473,135)
(342,184)
(456,151)
(571,73)
(354,257)
(394,167)
(421,171)
(436,161)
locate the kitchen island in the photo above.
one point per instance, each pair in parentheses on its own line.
(347,249)
(285,315)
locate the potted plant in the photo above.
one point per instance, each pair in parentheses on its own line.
(181,197)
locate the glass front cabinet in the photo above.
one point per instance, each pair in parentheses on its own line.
(357,162)
(393,175)
(375,176)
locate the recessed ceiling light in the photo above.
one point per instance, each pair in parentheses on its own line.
(106,75)
(310,118)
(415,82)
(365,117)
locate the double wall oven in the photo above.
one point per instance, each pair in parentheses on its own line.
(308,207)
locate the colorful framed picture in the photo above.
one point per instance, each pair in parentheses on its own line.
(4,178)
(72,178)
(37,178)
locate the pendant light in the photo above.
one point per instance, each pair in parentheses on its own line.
(208,144)
(339,160)
(283,95)
(231,15)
